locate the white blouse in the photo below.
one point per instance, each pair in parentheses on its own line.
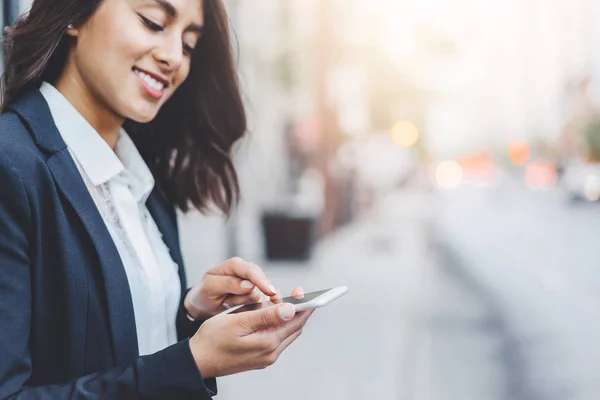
(120,182)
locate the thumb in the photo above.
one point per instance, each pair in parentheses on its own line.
(269,316)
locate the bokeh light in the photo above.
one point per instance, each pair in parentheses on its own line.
(405,134)
(519,152)
(449,175)
(541,175)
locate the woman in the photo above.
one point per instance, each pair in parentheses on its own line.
(114,112)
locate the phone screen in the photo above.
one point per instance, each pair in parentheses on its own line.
(293,300)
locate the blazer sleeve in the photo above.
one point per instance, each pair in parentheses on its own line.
(186,329)
(168,374)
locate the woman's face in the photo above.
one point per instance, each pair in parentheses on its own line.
(132,55)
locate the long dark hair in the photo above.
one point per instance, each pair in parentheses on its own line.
(188,146)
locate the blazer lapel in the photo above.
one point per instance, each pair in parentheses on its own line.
(34,111)
(166,221)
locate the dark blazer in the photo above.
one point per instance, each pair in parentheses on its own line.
(67,327)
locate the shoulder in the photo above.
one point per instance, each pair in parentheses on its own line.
(18,151)
(13,167)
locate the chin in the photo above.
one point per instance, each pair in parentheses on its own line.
(143,115)
(143,119)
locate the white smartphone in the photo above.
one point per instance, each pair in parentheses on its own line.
(309,301)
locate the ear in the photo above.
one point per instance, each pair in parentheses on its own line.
(72,31)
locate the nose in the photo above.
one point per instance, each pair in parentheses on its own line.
(169,53)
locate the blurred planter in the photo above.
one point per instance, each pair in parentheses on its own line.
(288,236)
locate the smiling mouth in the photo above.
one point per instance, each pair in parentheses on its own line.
(152,82)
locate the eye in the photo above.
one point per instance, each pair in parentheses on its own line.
(187,49)
(151,25)
(190,43)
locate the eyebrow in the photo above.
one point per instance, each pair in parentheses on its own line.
(172,11)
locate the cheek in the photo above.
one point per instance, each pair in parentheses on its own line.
(119,39)
(108,55)
(182,74)
(106,39)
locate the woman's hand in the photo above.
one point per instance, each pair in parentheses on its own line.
(233,343)
(231,283)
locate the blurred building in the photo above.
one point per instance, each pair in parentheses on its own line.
(317,74)
(510,72)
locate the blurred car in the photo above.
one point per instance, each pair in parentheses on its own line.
(581,182)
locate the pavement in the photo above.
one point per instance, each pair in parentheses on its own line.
(361,346)
(414,326)
(471,294)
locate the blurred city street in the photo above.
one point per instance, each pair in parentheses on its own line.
(446,303)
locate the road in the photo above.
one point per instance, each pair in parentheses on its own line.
(535,255)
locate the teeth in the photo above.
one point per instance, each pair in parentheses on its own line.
(153,83)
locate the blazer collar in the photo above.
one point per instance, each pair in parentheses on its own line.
(35,113)
(32,108)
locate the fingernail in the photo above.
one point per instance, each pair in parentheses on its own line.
(255,294)
(272,289)
(287,311)
(246,285)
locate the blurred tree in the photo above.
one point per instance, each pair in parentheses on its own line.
(591,139)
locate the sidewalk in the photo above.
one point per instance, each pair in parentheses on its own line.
(362,345)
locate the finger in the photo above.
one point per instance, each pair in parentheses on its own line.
(277,298)
(220,285)
(255,296)
(263,297)
(242,269)
(298,293)
(289,340)
(289,328)
(266,318)
(301,317)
